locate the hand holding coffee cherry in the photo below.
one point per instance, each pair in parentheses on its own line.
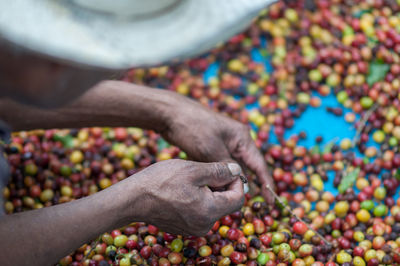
(204,135)
(211,137)
(177,195)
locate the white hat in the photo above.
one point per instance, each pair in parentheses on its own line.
(120,34)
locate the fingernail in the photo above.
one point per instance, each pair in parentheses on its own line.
(245,188)
(235,169)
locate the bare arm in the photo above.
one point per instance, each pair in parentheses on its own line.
(43,236)
(109,103)
(156,195)
(180,120)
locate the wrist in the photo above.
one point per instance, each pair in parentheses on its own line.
(176,109)
(130,200)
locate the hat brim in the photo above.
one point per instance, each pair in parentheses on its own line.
(54,28)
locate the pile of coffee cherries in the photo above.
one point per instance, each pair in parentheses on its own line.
(346,47)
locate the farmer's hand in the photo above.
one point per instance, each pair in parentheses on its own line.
(210,137)
(175,195)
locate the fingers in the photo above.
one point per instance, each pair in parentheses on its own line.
(253,159)
(229,201)
(216,174)
(222,174)
(267,193)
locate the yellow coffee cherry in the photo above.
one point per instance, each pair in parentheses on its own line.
(363,215)
(343,257)
(223,230)
(248,229)
(358,261)
(358,236)
(341,208)
(370,254)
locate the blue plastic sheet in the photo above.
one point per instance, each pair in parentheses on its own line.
(314,121)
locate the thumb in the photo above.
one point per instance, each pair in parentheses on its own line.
(217,174)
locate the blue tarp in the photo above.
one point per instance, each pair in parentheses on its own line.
(314,121)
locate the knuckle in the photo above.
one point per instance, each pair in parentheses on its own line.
(169,163)
(172,165)
(239,147)
(192,169)
(218,170)
(184,166)
(179,162)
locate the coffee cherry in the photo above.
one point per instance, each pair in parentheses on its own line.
(176,245)
(227,250)
(236,257)
(120,240)
(278,238)
(380,210)
(343,257)
(248,229)
(262,258)
(300,228)
(205,251)
(341,208)
(363,216)
(76,157)
(380,193)
(175,257)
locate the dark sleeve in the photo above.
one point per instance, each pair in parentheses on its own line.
(4,167)
(4,177)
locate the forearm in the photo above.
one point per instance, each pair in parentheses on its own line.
(109,103)
(42,237)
